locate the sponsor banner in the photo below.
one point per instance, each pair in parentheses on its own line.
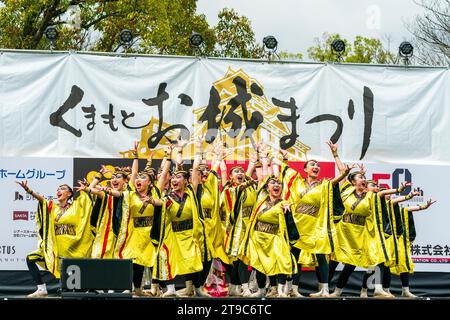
(18,212)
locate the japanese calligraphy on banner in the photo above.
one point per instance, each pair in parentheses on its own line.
(18,211)
(95,106)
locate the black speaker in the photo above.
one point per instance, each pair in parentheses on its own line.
(96,274)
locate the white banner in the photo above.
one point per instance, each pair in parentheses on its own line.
(18,211)
(80,105)
(94,106)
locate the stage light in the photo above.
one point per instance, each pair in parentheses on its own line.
(270,43)
(405,50)
(338,46)
(196,39)
(51,34)
(125,38)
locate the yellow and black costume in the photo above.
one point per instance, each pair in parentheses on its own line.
(178,232)
(112,226)
(209,195)
(312,212)
(267,247)
(63,234)
(359,234)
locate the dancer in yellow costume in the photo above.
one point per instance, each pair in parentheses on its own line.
(64,231)
(139,247)
(359,233)
(208,193)
(125,219)
(179,234)
(386,227)
(239,197)
(313,215)
(266,247)
(405,233)
(113,214)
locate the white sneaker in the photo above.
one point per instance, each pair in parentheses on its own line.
(321,294)
(155,291)
(39,293)
(295,294)
(201,292)
(246,293)
(260,293)
(186,292)
(272,293)
(169,294)
(381,294)
(235,291)
(408,294)
(363,293)
(138,293)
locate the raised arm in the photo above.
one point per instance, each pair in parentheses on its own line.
(276,163)
(223,173)
(334,151)
(219,155)
(196,177)
(135,166)
(343,174)
(422,207)
(409,196)
(163,177)
(181,143)
(24,185)
(83,186)
(264,156)
(400,189)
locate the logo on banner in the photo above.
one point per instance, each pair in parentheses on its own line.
(395,178)
(7,250)
(18,196)
(393,181)
(20,215)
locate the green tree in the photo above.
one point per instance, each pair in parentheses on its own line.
(235,37)
(363,50)
(322,50)
(159,26)
(285,55)
(369,50)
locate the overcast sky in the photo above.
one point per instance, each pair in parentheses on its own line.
(295,23)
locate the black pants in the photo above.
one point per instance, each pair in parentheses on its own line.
(404,277)
(199,278)
(239,273)
(345,275)
(322,271)
(138,273)
(296,277)
(34,270)
(331,270)
(378,280)
(261,278)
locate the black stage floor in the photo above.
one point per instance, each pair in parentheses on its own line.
(225,307)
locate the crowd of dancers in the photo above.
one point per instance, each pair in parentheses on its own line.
(269,220)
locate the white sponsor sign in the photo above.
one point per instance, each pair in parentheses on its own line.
(18,211)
